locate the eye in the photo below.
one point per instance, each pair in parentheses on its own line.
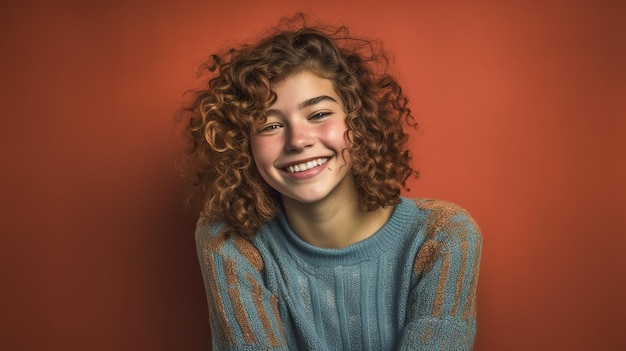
(268,128)
(319,115)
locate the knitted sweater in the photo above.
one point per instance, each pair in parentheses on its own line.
(410,286)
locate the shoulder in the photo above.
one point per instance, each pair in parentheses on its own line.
(447,217)
(211,241)
(448,228)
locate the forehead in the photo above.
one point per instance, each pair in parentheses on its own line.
(303,86)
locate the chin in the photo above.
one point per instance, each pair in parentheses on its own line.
(308,200)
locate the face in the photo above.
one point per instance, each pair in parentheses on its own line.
(299,150)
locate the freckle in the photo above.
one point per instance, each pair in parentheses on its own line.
(330,169)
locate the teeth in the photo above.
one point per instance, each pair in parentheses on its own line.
(306,165)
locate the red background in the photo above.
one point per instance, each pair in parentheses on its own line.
(522,107)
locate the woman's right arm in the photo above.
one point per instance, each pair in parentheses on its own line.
(243,313)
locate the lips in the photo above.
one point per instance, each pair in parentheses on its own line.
(301,167)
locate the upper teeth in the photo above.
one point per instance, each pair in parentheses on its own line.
(306,165)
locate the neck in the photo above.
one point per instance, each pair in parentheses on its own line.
(334,223)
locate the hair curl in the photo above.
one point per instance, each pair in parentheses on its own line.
(223,114)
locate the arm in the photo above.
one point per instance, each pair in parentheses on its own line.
(442,306)
(243,313)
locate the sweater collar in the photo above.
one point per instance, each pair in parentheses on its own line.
(371,248)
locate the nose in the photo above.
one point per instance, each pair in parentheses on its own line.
(299,137)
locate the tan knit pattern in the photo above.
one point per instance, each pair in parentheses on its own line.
(224,332)
(215,244)
(441,285)
(459,229)
(431,250)
(426,256)
(257,297)
(276,313)
(253,256)
(470,308)
(460,278)
(427,334)
(440,214)
(233,292)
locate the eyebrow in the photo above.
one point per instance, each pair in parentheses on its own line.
(306,103)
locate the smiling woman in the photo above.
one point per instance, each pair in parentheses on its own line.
(299,157)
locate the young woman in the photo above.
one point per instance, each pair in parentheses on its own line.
(305,243)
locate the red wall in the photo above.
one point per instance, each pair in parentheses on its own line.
(522,108)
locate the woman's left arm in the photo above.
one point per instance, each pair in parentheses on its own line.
(442,305)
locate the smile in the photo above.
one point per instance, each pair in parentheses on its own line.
(301,167)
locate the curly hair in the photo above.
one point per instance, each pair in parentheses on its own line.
(238,91)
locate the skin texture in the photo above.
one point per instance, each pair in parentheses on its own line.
(307,123)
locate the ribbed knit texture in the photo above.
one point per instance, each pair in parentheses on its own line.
(410,286)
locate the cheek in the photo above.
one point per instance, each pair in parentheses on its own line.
(335,134)
(263,152)
(256,146)
(337,137)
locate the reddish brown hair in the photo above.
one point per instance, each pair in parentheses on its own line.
(232,104)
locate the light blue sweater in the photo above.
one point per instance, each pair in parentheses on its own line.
(410,286)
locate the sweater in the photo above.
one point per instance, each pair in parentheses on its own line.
(409,286)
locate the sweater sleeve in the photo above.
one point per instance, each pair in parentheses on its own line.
(243,313)
(442,304)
